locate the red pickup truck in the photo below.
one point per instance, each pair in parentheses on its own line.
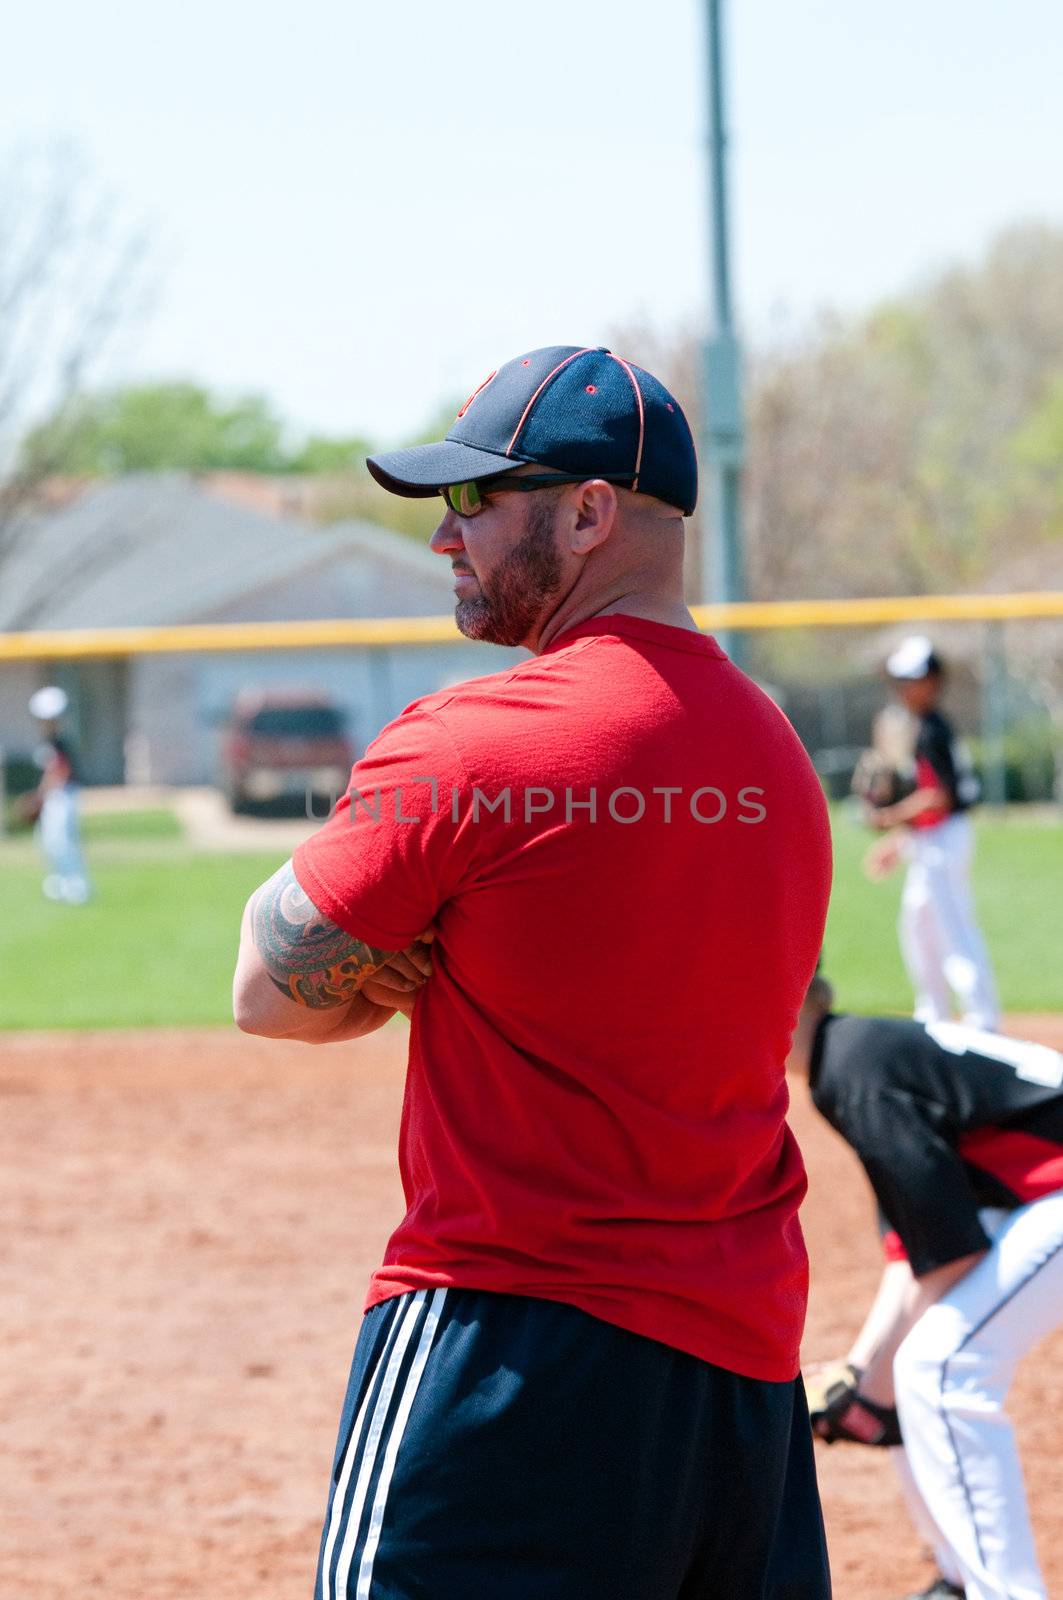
(286,745)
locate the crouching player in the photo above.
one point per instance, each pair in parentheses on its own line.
(961,1135)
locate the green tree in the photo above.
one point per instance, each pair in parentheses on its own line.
(157,426)
(320,454)
(182,426)
(1036,450)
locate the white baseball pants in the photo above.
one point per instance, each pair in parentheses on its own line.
(59,834)
(940,942)
(952,1375)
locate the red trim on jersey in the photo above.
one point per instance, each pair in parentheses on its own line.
(927,778)
(1030,1167)
(892,1248)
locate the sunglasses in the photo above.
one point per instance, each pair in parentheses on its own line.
(468,499)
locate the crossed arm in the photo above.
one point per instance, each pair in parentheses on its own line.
(300,976)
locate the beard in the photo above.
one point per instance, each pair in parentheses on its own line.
(516,596)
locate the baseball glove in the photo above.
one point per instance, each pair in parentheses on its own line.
(26,808)
(839,1412)
(875,781)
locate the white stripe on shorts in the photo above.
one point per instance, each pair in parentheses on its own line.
(392,1354)
(365,1442)
(398,1428)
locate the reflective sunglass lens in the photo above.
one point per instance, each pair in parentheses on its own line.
(463,498)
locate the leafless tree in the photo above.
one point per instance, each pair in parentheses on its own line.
(73,274)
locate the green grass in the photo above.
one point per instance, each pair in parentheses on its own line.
(155,822)
(156,944)
(1018,889)
(158,822)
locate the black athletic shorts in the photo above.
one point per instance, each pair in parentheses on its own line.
(495,1447)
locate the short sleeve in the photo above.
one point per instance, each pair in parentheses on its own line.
(392,852)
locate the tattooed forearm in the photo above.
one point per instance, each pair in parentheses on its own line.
(306,955)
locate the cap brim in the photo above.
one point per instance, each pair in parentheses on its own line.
(423,469)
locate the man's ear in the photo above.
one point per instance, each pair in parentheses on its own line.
(591,515)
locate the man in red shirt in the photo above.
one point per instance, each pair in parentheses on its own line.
(577,1374)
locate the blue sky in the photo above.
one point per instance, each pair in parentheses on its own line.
(362,209)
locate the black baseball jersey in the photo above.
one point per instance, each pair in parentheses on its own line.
(946,1119)
(940,762)
(56,759)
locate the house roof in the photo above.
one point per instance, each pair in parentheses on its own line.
(151,549)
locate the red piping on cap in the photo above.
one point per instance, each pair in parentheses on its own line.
(642,417)
(538,392)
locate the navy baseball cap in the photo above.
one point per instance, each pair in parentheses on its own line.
(574,409)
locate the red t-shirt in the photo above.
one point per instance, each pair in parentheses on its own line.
(595,1098)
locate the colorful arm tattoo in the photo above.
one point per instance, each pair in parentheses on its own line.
(309,958)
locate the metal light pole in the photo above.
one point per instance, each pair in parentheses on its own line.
(722,572)
(995,716)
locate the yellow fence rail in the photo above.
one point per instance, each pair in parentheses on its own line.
(379,632)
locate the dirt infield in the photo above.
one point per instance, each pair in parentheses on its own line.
(191,1221)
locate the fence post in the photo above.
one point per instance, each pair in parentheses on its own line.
(995,714)
(383,690)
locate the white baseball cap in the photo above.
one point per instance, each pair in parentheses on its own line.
(913,658)
(48,703)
